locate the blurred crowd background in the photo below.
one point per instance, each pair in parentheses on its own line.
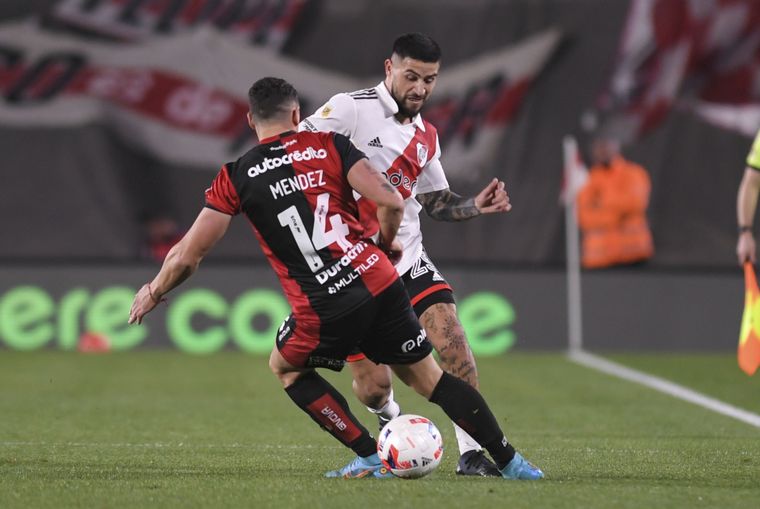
(116,114)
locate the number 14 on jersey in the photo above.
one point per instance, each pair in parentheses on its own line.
(320,238)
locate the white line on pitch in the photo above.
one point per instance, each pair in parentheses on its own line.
(162,445)
(659,384)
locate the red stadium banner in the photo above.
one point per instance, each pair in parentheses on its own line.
(703,57)
(183,98)
(265,23)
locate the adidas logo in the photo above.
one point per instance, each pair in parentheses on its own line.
(375,143)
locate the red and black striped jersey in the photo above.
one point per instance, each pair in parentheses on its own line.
(293,189)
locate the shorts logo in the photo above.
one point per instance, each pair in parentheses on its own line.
(284,331)
(422,153)
(411,344)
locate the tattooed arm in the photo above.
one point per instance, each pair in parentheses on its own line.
(445,205)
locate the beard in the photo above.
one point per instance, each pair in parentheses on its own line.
(404,110)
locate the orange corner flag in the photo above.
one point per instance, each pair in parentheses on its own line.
(748,352)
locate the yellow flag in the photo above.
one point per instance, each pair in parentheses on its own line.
(748,352)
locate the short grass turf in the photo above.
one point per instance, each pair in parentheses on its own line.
(163,429)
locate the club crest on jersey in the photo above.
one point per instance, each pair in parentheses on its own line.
(326,111)
(422,153)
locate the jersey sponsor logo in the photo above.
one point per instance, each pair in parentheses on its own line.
(422,153)
(375,142)
(284,187)
(398,179)
(283,146)
(353,276)
(270,163)
(344,261)
(411,344)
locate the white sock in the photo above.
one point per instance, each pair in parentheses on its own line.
(465,441)
(390,410)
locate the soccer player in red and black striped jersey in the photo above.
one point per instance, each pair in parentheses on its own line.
(296,190)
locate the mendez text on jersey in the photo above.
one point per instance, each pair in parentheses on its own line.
(298,182)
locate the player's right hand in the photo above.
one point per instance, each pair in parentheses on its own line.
(745,248)
(142,305)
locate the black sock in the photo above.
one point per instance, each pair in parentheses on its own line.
(466,407)
(328,408)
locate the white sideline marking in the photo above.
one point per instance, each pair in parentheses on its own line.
(163,445)
(659,384)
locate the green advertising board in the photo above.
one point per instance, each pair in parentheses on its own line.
(197,320)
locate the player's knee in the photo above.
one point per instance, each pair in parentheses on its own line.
(372,393)
(279,368)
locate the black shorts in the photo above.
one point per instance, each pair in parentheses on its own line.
(425,285)
(384,328)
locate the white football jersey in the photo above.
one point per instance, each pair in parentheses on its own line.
(408,154)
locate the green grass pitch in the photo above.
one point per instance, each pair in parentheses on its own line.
(163,429)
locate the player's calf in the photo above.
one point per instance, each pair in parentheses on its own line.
(329,409)
(446,334)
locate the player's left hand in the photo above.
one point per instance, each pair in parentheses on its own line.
(393,251)
(493,198)
(142,305)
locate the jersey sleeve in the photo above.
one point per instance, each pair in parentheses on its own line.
(432,177)
(753,159)
(336,115)
(222,196)
(349,154)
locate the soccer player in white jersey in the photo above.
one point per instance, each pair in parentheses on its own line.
(385,123)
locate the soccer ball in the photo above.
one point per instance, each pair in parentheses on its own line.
(410,446)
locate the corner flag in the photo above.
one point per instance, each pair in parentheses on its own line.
(748,352)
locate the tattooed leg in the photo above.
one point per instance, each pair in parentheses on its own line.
(447,336)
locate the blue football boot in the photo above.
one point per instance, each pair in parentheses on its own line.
(371,466)
(522,469)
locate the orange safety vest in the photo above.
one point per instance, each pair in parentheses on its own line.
(612,215)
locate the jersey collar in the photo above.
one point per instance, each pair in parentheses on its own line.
(270,139)
(391,108)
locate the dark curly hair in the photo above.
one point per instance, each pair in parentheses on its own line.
(418,47)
